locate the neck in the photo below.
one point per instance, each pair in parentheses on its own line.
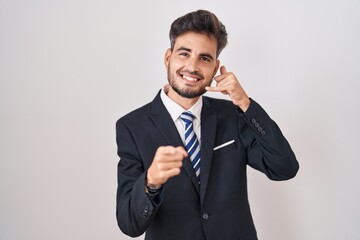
(185,103)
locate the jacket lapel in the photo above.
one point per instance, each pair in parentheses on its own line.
(163,121)
(208,134)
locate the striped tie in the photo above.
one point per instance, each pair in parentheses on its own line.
(191,142)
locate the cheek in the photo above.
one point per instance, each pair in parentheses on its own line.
(209,69)
(173,66)
(210,73)
(209,81)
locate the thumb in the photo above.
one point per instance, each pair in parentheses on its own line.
(223,70)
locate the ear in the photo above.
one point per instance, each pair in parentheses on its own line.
(216,67)
(167,57)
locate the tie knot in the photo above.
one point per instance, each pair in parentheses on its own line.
(187,117)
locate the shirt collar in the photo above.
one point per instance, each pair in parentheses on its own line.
(175,110)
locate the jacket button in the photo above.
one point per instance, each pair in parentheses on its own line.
(146,211)
(253,120)
(263,132)
(260,129)
(257,125)
(205,216)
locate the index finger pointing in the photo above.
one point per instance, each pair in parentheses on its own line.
(182,151)
(167,150)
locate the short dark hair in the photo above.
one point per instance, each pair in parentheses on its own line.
(200,21)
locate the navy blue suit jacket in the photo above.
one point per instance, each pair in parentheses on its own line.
(218,208)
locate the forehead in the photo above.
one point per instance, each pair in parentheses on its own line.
(196,42)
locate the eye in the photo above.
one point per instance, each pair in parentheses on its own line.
(205,59)
(185,54)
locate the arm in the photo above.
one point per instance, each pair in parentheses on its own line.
(267,149)
(135,209)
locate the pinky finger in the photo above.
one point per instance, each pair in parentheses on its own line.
(212,89)
(215,89)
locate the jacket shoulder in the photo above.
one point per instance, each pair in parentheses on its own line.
(136,115)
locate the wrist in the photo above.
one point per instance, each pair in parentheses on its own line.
(244,103)
(152,189)
(151,183)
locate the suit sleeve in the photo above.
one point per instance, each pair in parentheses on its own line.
(134,208)
(267,149)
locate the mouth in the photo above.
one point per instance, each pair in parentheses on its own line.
(190,77)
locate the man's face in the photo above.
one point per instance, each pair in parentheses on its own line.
(192,64)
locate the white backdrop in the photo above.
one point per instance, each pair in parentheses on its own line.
(69,69)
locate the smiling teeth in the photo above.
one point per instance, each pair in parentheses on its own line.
(190,78)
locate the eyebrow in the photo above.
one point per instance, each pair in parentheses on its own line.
(189,50)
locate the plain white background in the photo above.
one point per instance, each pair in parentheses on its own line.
(70,69)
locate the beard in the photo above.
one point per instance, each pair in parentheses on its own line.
(185,92)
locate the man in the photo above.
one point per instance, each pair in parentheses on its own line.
(183,157)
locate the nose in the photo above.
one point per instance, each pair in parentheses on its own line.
(192,64)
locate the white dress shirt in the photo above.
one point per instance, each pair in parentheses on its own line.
(176,110)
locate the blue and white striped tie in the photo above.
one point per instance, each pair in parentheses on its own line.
(191,142)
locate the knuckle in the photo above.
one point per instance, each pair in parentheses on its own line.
(161,175)
(157,158)
(159,166)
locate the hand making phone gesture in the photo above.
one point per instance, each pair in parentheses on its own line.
(228,84)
